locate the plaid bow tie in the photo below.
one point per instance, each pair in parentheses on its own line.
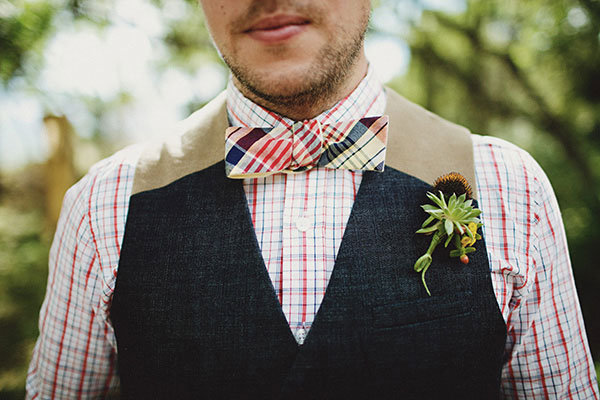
(256,152)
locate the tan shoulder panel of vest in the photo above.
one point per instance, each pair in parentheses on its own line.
(198,143)
(425,145)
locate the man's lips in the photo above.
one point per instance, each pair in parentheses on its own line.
(277,28)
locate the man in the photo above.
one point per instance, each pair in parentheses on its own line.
(178,272)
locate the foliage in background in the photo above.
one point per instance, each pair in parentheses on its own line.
(23,28)
(23,270)
(524,71)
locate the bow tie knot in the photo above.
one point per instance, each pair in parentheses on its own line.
(306,144)
(357,144)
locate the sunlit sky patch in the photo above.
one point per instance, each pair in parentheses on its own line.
(84,62)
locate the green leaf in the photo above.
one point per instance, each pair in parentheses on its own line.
(427,221)
(443,200)
(448,239)
(461,228)
(452,203)
(436,213)
(423,262)
(455,253)
(448,226)
(469,233)
(476,212)
(457,242)
(428,229)
(436,200)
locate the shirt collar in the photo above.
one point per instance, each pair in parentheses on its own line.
(368,99)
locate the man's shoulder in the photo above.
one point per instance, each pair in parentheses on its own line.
(109,167)
(114,173)
(494,152)
(503,166)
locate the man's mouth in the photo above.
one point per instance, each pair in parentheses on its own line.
(277,28)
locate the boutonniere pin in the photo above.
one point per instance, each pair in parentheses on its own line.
(452,219)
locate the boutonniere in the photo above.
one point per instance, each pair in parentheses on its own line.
(452,219)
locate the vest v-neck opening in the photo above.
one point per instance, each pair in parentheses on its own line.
(248,223)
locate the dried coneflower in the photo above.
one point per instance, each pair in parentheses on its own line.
(453,183)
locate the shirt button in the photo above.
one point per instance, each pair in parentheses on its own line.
(300,336)
(303,224)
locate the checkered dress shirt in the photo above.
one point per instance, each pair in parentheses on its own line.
(299,221)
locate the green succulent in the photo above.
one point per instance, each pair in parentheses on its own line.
(455,218)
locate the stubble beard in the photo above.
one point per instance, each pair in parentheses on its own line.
(316,87)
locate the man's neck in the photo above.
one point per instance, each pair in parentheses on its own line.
(309,107)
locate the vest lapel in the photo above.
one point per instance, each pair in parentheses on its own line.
(236,209)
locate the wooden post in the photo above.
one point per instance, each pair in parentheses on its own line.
(59,168)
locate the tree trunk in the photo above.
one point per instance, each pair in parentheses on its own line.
(59,169)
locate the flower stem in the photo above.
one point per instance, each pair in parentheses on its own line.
(435,240)
(423,279)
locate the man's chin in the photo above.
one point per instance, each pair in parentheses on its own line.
(284,91)
(280,89)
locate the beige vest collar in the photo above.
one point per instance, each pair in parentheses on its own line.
(420,144)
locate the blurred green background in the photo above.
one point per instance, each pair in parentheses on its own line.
(82,78)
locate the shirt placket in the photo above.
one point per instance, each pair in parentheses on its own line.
(300,252)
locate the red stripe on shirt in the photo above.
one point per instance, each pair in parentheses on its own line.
(115,210)
(85,355)
(536,341)
(64,327)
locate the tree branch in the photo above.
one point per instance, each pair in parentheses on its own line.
(546,118)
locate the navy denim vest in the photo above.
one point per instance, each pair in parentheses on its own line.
(196,315)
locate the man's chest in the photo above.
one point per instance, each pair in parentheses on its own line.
(299,221)
(192,280)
